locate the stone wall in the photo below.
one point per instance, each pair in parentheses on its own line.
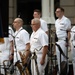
(12,10)
(69,6)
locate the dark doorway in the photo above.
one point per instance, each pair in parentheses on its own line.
(56,5)
(4,18)
(25,9)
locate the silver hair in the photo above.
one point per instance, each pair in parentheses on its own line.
(36,20)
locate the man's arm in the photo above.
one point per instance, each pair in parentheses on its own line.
(45,50)
(12,50)
(69,41)
(27,50)
(69,35)
(47,32)
(27,53)
(12,47)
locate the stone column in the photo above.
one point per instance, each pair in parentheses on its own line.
(12,10)
(48,11)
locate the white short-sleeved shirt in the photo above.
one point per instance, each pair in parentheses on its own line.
(38,40)
(44,25)
(11,33)
(6,44)
(21,39)
(61,26)
(73,35)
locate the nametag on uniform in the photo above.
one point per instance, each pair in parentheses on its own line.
(35,38)
(61,23)
(17,37)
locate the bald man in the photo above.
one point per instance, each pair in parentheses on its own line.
(39,45)
(21,39)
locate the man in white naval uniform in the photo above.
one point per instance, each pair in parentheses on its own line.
(37,14)
(21,39)
(62,25)
(39,45)
(6,48)
(73,47)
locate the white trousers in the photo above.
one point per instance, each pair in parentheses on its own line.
(74,67)
(62,44)
(73,58)
(4,55)
(41,68)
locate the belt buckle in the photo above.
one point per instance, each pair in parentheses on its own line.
(34,56)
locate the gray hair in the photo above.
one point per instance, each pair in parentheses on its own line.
(36,20)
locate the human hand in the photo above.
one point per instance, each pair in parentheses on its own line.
(42,61)
(10,57)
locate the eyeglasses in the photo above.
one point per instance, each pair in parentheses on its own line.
(57,11)
(33,24)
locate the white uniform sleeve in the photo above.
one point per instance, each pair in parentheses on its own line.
(44,26)
(67,24)
(25,37)
(44,39)
(72,33)
(11,34)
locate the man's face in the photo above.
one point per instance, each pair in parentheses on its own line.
(36,15)
(34,26)
(16,23)
(58,13)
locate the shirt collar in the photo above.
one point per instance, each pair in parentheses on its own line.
(62,17)
(36,31)
(20,29)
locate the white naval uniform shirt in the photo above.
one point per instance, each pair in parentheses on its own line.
(43,25)
(64,24)
(21,39)
(6,44)
(73,35)
(38,39)
(11,33)
(73,46)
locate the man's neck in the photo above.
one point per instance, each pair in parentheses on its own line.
(18,28)
(60,17)
(36,30)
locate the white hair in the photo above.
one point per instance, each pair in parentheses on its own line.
(36,20)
